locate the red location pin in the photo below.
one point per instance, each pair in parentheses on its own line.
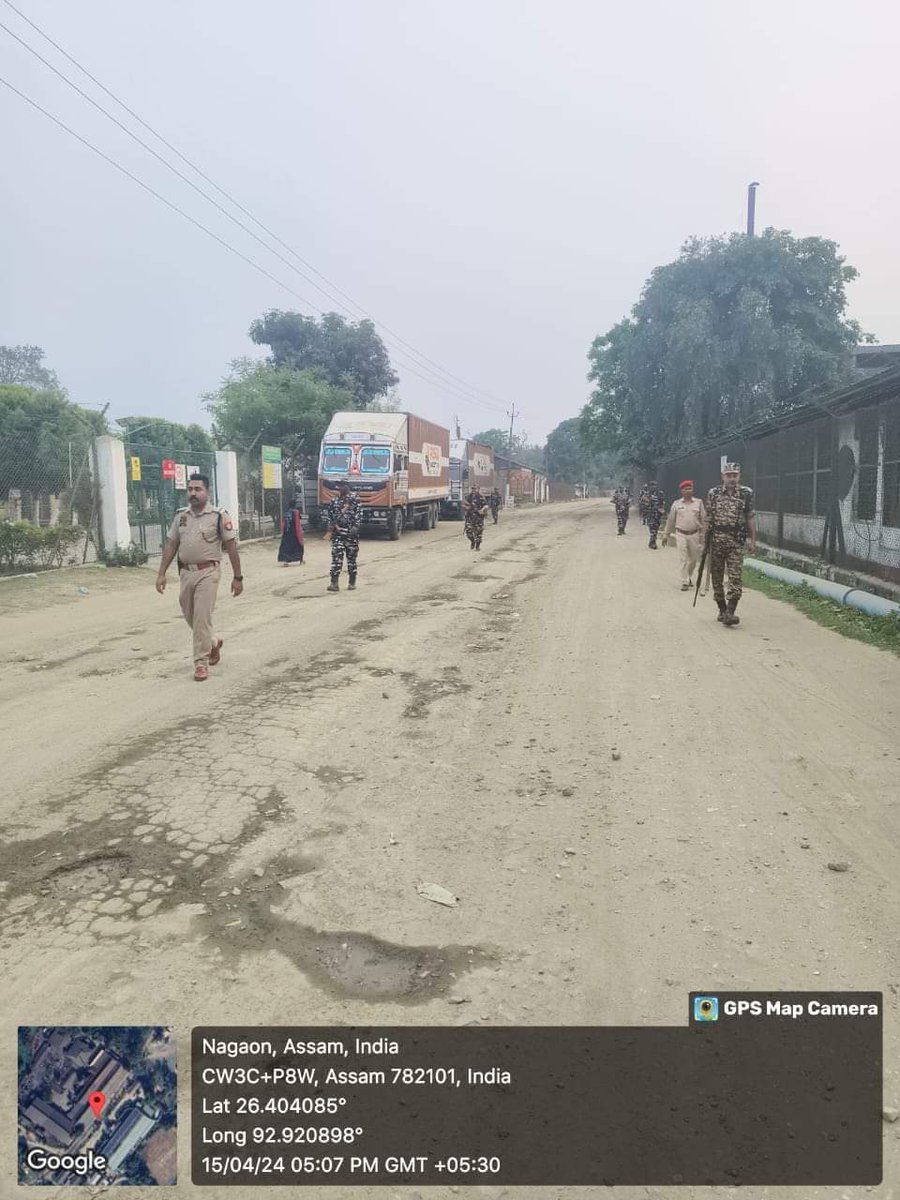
(97,1101)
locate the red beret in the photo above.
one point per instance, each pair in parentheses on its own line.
(686,483)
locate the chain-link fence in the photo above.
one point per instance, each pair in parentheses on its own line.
(48,500)
(157,488)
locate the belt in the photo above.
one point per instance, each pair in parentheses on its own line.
(201,566)
(688,532)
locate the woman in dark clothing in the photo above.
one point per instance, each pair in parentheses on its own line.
(291,548)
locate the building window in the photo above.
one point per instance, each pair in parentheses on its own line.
(867,480)
(890,487)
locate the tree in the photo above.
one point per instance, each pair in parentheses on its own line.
(349,355)
(523,451)
(734,330)
(570,460)
(41,435)
(260,403)
(23,365)
(181,440)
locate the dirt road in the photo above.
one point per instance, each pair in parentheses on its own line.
(248,850)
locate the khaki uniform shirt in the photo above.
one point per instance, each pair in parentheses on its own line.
(685,516)
(198,536)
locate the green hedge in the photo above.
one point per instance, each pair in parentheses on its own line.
(23,545)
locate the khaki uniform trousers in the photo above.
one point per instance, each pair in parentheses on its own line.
(197,597)
(688,553)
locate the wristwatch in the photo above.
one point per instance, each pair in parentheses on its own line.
(238,578)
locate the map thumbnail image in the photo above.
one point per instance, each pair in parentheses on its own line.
(97,1104)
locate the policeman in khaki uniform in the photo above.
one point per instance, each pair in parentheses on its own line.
(198,536)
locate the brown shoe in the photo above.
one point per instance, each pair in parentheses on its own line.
(201,672)
(216,653)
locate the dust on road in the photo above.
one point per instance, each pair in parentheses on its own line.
(536,728)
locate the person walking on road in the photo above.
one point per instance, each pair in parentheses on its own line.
(495,501)
(656,511)
(344,519)
(687,517)
(644,503)
(731,520)
(198,535)
(291,548)
(622,500)
(476,510)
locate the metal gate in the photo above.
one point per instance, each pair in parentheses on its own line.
(157,488)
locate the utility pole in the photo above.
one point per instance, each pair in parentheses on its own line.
(458,434)
(751,209)
(512,416)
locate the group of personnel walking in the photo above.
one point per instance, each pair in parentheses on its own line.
(713,531)
(202,533)
(710,533)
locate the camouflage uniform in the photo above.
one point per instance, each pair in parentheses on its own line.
(475,504)
(344,519)
(622,500)
(656,512)
(643,503)
(728,511)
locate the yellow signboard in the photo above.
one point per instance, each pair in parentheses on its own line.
(135,469)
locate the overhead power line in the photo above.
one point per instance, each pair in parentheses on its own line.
(476,396)
(197,224)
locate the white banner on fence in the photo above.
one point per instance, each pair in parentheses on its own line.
(180,477)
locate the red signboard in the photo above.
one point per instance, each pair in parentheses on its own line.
(168,468)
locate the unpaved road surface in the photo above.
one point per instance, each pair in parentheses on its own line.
(248,850)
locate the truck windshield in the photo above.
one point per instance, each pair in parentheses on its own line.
(336,460)
(375,460)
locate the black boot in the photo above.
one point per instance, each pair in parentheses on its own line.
(722,610)
(333,586)
(730,617)
(352,584)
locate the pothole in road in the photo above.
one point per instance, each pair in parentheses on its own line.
(354,965)
(332,777)
(88,876)
(426,691)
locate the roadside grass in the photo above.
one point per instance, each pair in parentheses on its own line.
(882,632)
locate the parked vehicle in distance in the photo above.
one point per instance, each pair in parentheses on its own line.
(470,463)
(396,463)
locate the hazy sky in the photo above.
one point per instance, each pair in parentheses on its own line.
(493,179)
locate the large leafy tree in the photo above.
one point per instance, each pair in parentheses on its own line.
(349,355)
(24,365)
(166,435)
(523,451)
(570,459)
(42,437)
(263,404)
(733,330)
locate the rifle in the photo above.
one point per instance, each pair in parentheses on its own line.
(703,557)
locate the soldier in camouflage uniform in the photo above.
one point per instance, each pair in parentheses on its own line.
(643,502)
(622,500)
(476,510)
(344,519)
(731,519)
(656,511)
